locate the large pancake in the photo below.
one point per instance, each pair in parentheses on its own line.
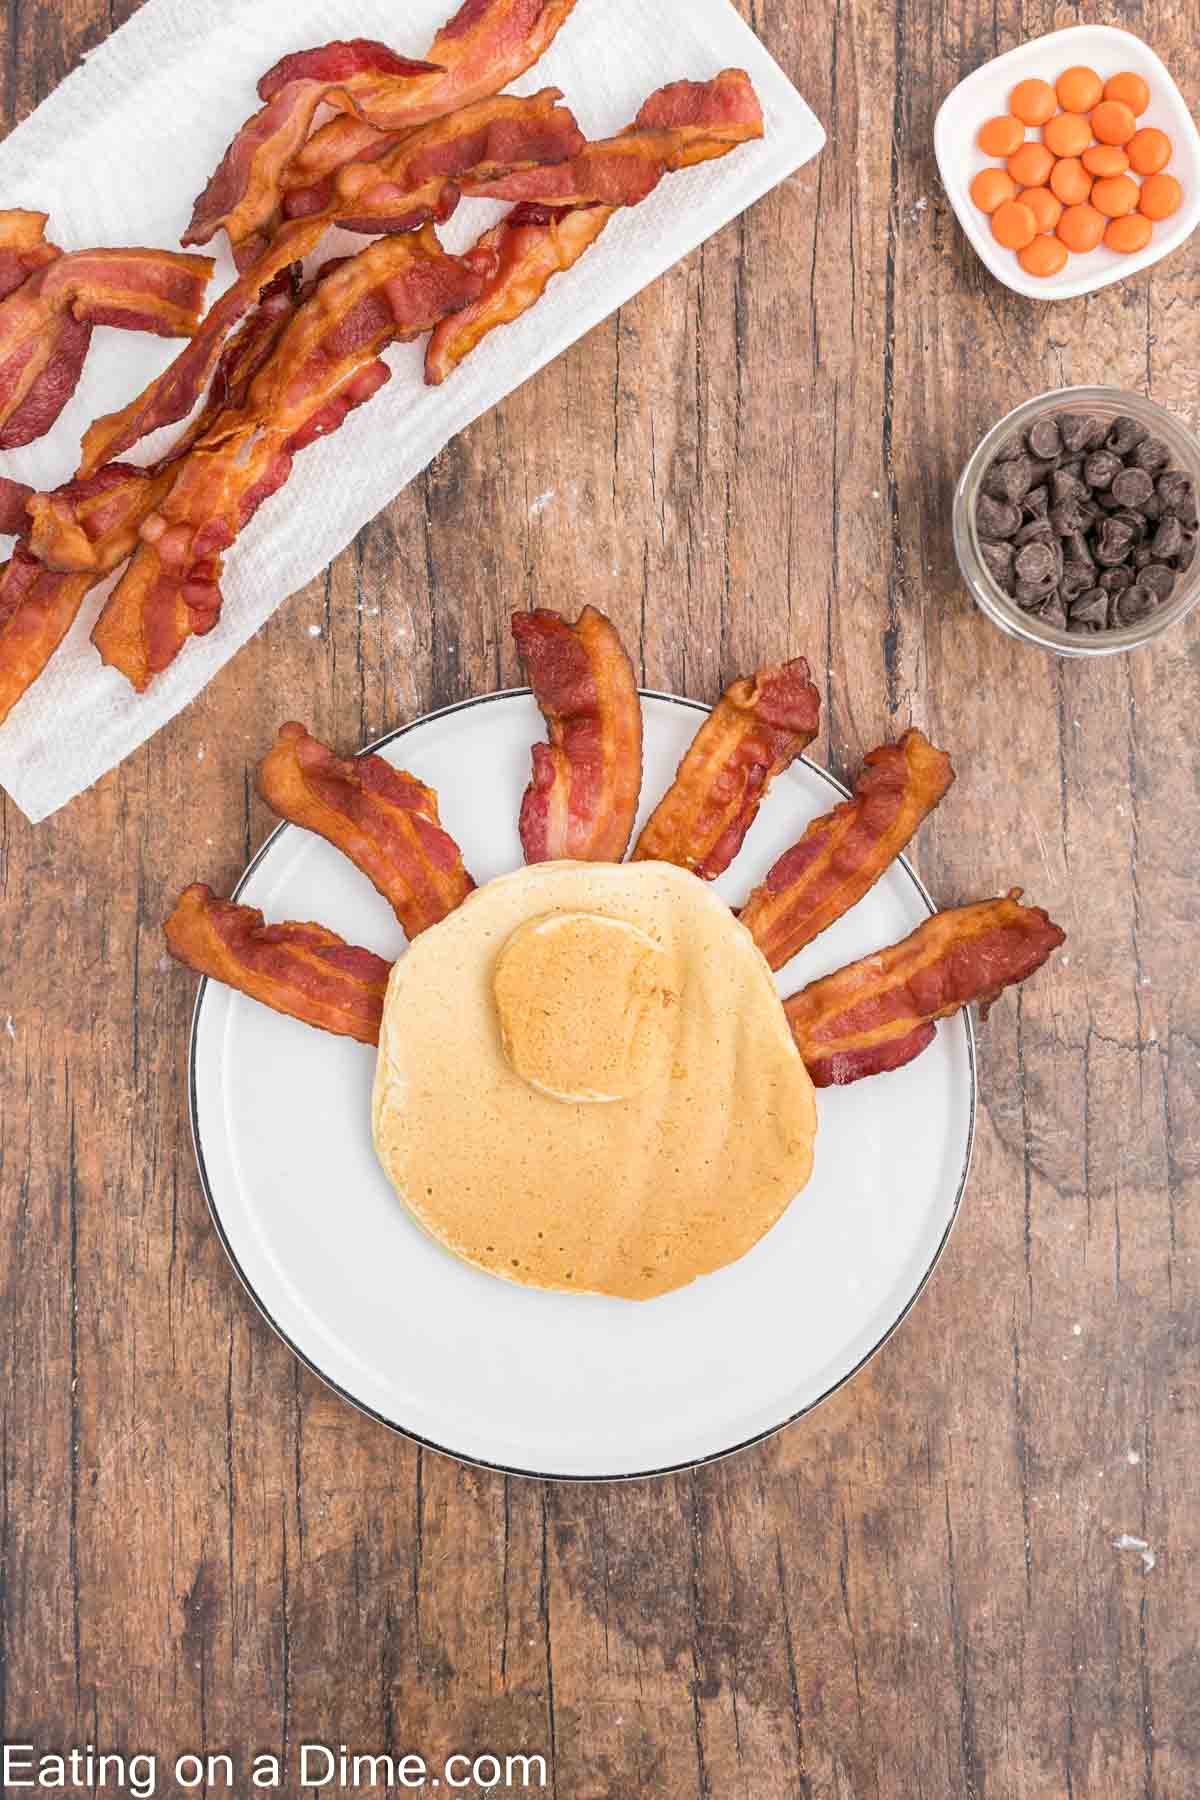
(688,1119)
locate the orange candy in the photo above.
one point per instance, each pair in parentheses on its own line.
(1000,137)
(1044,256)
(1031,165)
(1113,122)
(1130,234)
(1161,196)
(1033,101)
(1105,159)
(1046,207)
(991,188)
(1115,196)
(1066,134)
(1014,225)
(1078,90)
(1149,151)
(1130,90)
(1070,181)
(1081,228)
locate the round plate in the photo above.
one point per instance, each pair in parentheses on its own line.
(552,1385)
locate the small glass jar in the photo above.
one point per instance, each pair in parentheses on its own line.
(1001,609)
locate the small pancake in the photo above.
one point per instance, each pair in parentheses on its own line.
(689,1120)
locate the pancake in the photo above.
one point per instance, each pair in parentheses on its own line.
(586,1082)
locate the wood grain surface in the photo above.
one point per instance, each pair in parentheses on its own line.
(913,1594)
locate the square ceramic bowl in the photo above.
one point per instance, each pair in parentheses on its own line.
(985,94)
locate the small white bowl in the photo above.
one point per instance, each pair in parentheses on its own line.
(985,94)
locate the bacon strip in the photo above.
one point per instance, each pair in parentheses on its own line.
(86,529)
(583,799)
(14,501)
(521,255)
(880,1013)
(325,364)
(384,820)
(306,185)
(23,248)
(302,970)
(46,323)
(484,47)
(759,727)
(842,855)
(243,193)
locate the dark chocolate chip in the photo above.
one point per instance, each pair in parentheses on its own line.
(1143,556)
(1100,468)
(999,561)
(1008,452)
(1076,580)
(1124,435)
(1045,440)
(1159,579)
(1009,481)
(1037,531)
(1068,519)
(1065,486)
(1135,520)
(1074,430)
(1115,581)
(1076,549)
(1030,596)
(1036,503)
(1133,487)
(1135,603)
(1175,490)
(1186,557)
(1152,455)
(1097,432)
(1168,539)
(1054,612)
(1090,611)
(1036,563)
(1106,501)
(1152,508)
(996,519)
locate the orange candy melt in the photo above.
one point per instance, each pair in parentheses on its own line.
(1066,134)
(1161,196)
(1149,151)
(1130,234)
(1030,166)
(1046,207)
(1105,159)
(1033,101)
(1113,122)
(1014,225)
(1000,137)
(1115,196)
(1070,181)
(1045,256)
(991,188)
(1130,90)
(1078,90)
(1081,228)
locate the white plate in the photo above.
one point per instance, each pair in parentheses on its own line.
(985,94)
(571,1387)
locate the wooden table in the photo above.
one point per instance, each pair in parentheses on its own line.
(914,1592)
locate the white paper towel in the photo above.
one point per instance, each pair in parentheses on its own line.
(116,155)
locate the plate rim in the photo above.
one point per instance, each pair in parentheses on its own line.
(425,1443)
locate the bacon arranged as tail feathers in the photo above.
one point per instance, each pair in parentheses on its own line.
(842,855)
(880,1013)
(302,970)
(583,799)
(758,728)
(46,324)
(689,122)
(383,819)
(325,364)
(24,248)
(242,196)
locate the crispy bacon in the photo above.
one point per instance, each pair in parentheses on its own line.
(686,123)
(37,609)
(23,248)
(484,47)
(306,185)
(384,820)
(302,970)
(325,363)
(759,727)
(583,799)
(842,855)
(46,324)
(521,255)
(14,501)
(243,194)
(880,1013)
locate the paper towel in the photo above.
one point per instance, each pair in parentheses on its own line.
(118,152)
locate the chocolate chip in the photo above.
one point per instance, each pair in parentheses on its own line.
(1068,519)
(1135,604)
(1076,579)
(1186,557)
(1065,486)
(1152,508)
(1010,450)
(1133,487)
(1175,490)
(1152,455)
(1030,596)
(1143,556)
(1097,432)
(999,560)
(1076,549)
(1074,430)
(1036,563)
(1037,531)
(1054,612)
(1090,611)
(1115,581)
(1168,539)
(1036,503)
(1114,543)
(1159,579)
(1136,522)
(1124,435)
(1045,440)
(1009,481)
(996,519)
(1100,468)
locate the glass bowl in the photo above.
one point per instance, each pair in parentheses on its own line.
(1109,403)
